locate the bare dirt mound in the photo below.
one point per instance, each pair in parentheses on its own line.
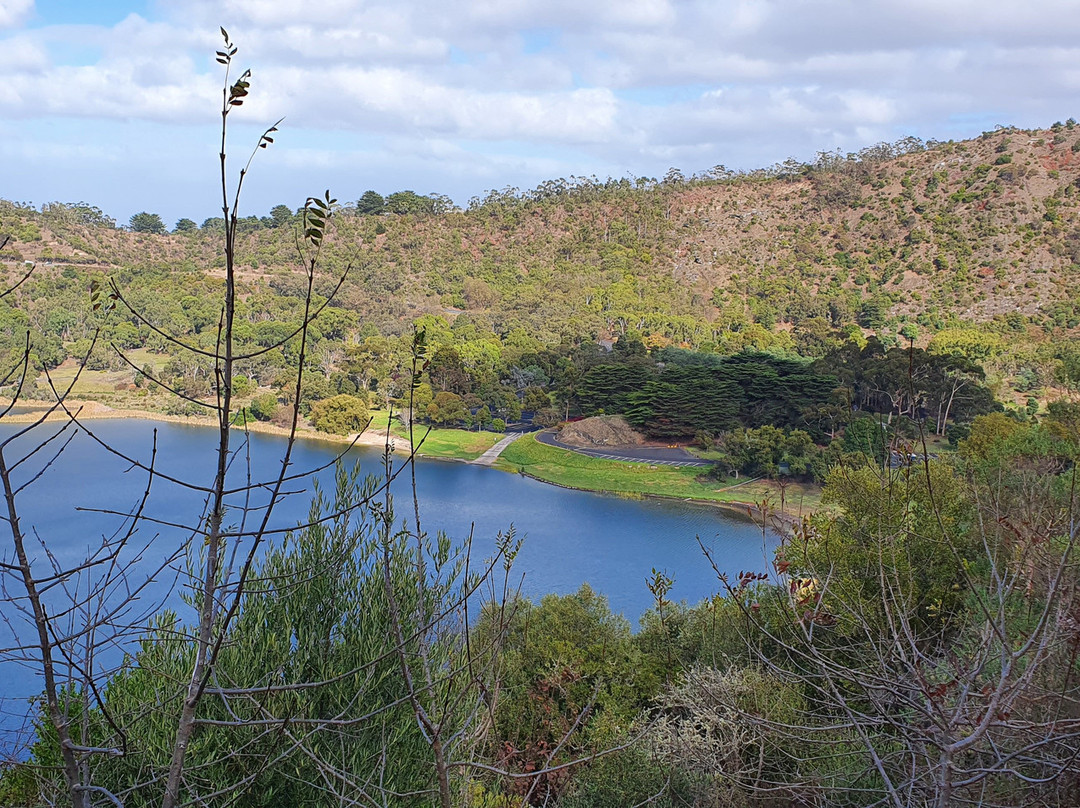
(603,430)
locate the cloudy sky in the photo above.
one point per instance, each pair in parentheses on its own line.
(115,101)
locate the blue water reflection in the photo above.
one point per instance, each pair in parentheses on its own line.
(570,537)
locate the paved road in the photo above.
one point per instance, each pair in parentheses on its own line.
(489,457)
(646,454)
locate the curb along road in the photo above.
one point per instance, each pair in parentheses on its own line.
(654,457)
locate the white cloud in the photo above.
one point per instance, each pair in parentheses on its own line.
(13,12)
(22,54)
(536,87)
(868,108)
(118,91)
(390,101)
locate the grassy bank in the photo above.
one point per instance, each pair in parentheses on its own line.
(574,470)
(451,443)
(545,463)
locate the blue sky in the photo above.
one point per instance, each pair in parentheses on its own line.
(115,102)
(83,12)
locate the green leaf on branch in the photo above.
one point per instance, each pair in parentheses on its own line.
(100,300)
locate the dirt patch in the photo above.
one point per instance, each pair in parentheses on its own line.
(603,430)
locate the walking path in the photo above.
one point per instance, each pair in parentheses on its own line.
(488,458)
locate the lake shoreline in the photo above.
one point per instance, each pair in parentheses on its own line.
(642,480)
(748,511)
(608,542)
(93,410)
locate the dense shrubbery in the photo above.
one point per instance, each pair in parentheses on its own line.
(917,647)
(340,415)
(322,614)
(871,656)
(886,240)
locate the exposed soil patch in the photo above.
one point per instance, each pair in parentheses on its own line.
(602,430)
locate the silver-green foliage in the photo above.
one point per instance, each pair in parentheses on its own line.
(308,700)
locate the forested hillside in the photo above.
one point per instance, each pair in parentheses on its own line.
(969,249)
(835,322)
(907,231)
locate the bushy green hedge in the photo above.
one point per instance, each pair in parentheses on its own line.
(340,415)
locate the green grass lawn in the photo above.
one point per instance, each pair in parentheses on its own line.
(101,385)
(456,443)
(90,381)
(140,357)
(593,474)
(379,419)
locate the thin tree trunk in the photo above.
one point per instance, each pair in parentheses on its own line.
(57,718)
(207,608)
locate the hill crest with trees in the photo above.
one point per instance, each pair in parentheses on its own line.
(967,249)
(897,233)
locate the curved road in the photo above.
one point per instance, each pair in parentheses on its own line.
(653,456)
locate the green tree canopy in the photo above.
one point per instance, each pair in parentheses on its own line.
(402,202)
(340,415)
(147,223)
(281,216)
(446,408)
(370,203)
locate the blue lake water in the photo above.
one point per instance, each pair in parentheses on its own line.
(570,537)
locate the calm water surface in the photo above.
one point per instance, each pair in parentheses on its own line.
(570,537)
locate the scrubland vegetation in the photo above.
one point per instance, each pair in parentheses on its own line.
(918,647)
(897,326)
(964,250)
